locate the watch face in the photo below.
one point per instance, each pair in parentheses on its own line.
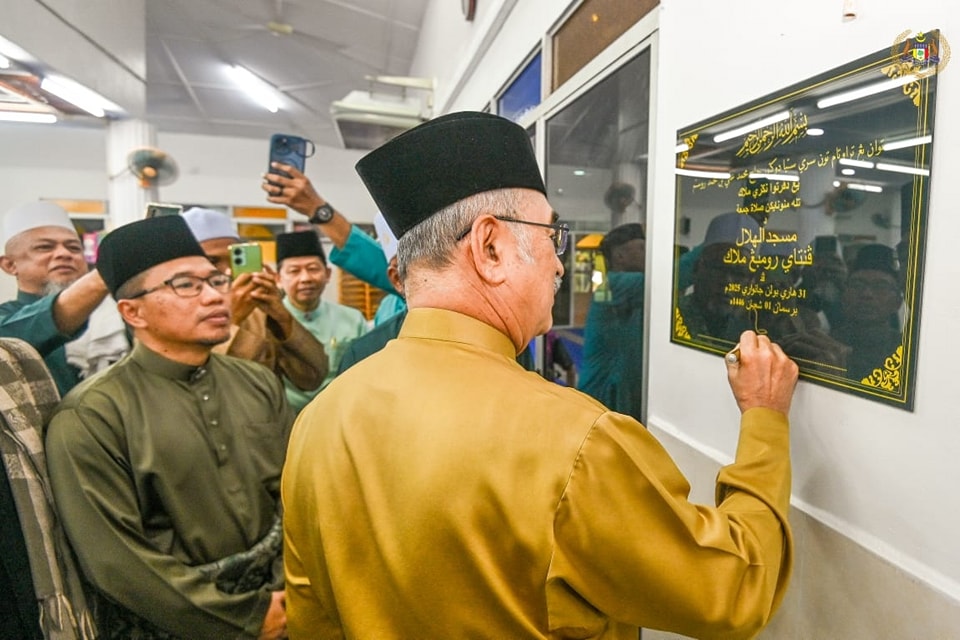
(324,213)
(469,8)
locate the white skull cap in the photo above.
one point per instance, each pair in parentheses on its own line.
(33,215)
(207,224)
(385,236)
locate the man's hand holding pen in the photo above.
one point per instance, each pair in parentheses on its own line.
(761,374)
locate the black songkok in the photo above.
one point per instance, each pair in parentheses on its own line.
(130,250)
(445,160)
(298,244)
(875,257)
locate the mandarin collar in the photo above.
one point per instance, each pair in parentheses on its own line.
(157,364)
(27,298)
(442,324)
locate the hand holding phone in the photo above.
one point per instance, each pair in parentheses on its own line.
(245,257)
(291,150)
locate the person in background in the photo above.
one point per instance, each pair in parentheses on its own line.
(303,275)
(61,309)
(869,304)
(391,312)
(356,252)
(612,369)
(353,250)
(166,467)
(262,328)
(393,303)
(481,500)
(42,596)
(706,310)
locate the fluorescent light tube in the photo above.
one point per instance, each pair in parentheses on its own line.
(683,146)
(28,116)
(814,131)
(75,94)
(693,173)
(872,188)
(863,92)
(260,91)
(12,51)
(4,62)
(863,164)
(909,142)
(757,124)
(783,177)
(902,168)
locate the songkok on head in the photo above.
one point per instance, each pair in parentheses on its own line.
(445,160)
(875,257)
(388,241)
(32,215)
(298,245)
(207,224)
(130,250)
(728,228)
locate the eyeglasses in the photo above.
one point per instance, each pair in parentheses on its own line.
(190,286)
(560,236)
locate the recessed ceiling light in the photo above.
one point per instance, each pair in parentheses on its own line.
(909,142)
(694,173)
(28,116)
(752,126)
(863,164)
(261,92)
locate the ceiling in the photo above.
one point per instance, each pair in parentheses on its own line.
(314,52)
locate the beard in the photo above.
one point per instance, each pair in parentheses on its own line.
(52,288)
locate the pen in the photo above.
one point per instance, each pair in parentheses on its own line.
(733,356)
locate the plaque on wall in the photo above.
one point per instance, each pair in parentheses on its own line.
(803,216)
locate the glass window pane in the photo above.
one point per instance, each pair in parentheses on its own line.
(589,30)
(596,170)
(523,94)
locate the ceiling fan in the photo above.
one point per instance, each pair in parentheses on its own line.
(278,26)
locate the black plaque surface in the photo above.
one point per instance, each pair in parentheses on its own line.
(802,216)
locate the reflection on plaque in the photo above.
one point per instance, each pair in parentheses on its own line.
(803,216)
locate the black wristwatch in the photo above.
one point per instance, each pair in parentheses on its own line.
(324,213)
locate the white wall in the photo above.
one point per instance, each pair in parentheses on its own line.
(881,477)
(42,161)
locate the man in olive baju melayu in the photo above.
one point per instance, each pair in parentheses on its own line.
(166,467)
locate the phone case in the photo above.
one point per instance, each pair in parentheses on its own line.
(291,150)
(245,258)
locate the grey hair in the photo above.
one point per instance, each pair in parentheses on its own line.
(432,241)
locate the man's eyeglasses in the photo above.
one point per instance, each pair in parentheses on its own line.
(560,237)
(190,286)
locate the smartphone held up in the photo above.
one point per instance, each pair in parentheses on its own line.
(245,257)
(291,150)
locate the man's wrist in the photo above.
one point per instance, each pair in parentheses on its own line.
(322,214)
